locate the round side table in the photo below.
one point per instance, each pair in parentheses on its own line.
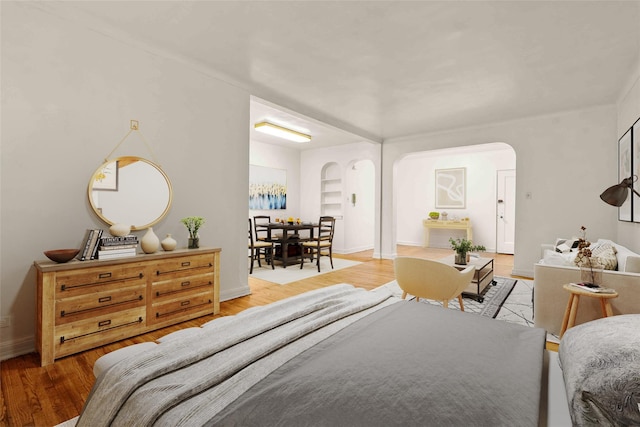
(570,313)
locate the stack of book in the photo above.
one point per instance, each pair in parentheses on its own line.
(117,247)
(589,287)
(89,247)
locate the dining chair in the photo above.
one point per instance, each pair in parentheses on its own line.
(322,244)
(261,230)
(424,278)
(262,249)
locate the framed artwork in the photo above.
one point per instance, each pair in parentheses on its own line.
(267,188)
(635,167)
(451,188)
(624,171)
(107,178)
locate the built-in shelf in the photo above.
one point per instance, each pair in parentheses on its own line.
(331,190)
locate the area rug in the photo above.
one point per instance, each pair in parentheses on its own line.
(293,273)
(494,298)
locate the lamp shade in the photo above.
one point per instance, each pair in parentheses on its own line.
(617,194)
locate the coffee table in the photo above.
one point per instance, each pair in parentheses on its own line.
(482,278)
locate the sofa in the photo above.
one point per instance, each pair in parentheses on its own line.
(557,267)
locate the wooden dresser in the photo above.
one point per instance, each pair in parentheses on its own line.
(87,304)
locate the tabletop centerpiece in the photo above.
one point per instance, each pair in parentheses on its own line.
(462,247)
(193,224)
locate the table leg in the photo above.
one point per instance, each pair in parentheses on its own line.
(567,312)
(606,307)
(426,237)
(469,233)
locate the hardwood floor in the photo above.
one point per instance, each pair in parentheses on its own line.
(45,396)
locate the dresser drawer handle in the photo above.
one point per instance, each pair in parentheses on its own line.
(183,303)
(63,339)
(104,323)
(104,299)
(104,275)
(186,264)
(187,283)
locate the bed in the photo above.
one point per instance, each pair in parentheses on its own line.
(335,356)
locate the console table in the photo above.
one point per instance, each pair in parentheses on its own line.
(429,224)
(87,304)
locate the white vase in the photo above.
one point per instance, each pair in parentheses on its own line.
(119,230)
(169,243)
(150,242)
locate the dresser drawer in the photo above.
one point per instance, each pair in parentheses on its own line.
(188,284)
(85,281)
(182,307)
(183,266)
(99,330)
(104,300)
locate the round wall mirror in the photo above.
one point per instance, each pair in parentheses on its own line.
(130,190)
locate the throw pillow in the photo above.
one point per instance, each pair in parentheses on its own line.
(566,245)
(602,256)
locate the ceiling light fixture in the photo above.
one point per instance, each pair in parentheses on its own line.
(282,132)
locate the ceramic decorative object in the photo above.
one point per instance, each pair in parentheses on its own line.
(150,242)
(119,230)
(61,255)
(169,243)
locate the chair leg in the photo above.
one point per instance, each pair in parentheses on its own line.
(258,256)
(404,295)
(252,256)
(461,303)
(318,261)
(331,256)
(445,304)
(302,258)
(271,258)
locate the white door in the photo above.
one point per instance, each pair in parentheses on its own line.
(506,211)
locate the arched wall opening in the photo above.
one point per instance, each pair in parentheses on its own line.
(415,192)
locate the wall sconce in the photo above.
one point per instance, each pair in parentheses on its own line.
(282,132)
(617,194)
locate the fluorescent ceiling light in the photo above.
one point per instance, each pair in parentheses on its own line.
(282,132)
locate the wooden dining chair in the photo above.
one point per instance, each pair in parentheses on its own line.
(261,230)
(261,249)
(322,244)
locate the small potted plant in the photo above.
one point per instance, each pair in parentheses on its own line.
(193,224)
(434,215)
(462,248)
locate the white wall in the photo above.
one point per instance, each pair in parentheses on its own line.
(68,94)
(415,188)
(346,238)
(564,160)
(279,157)
(628,112)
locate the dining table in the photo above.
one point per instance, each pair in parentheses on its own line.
(291,235)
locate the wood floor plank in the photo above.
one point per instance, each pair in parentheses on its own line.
(46,396)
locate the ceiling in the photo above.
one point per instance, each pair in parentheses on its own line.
(374,70)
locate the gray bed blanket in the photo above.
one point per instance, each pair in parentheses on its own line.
(406,365)
(336,356)
(140,389)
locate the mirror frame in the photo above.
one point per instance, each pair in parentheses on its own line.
(130,159)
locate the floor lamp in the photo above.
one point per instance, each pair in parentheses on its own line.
(617,194)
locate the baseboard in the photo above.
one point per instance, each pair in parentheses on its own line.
(9,349)
(238,292)
(522,273)
(352,250)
